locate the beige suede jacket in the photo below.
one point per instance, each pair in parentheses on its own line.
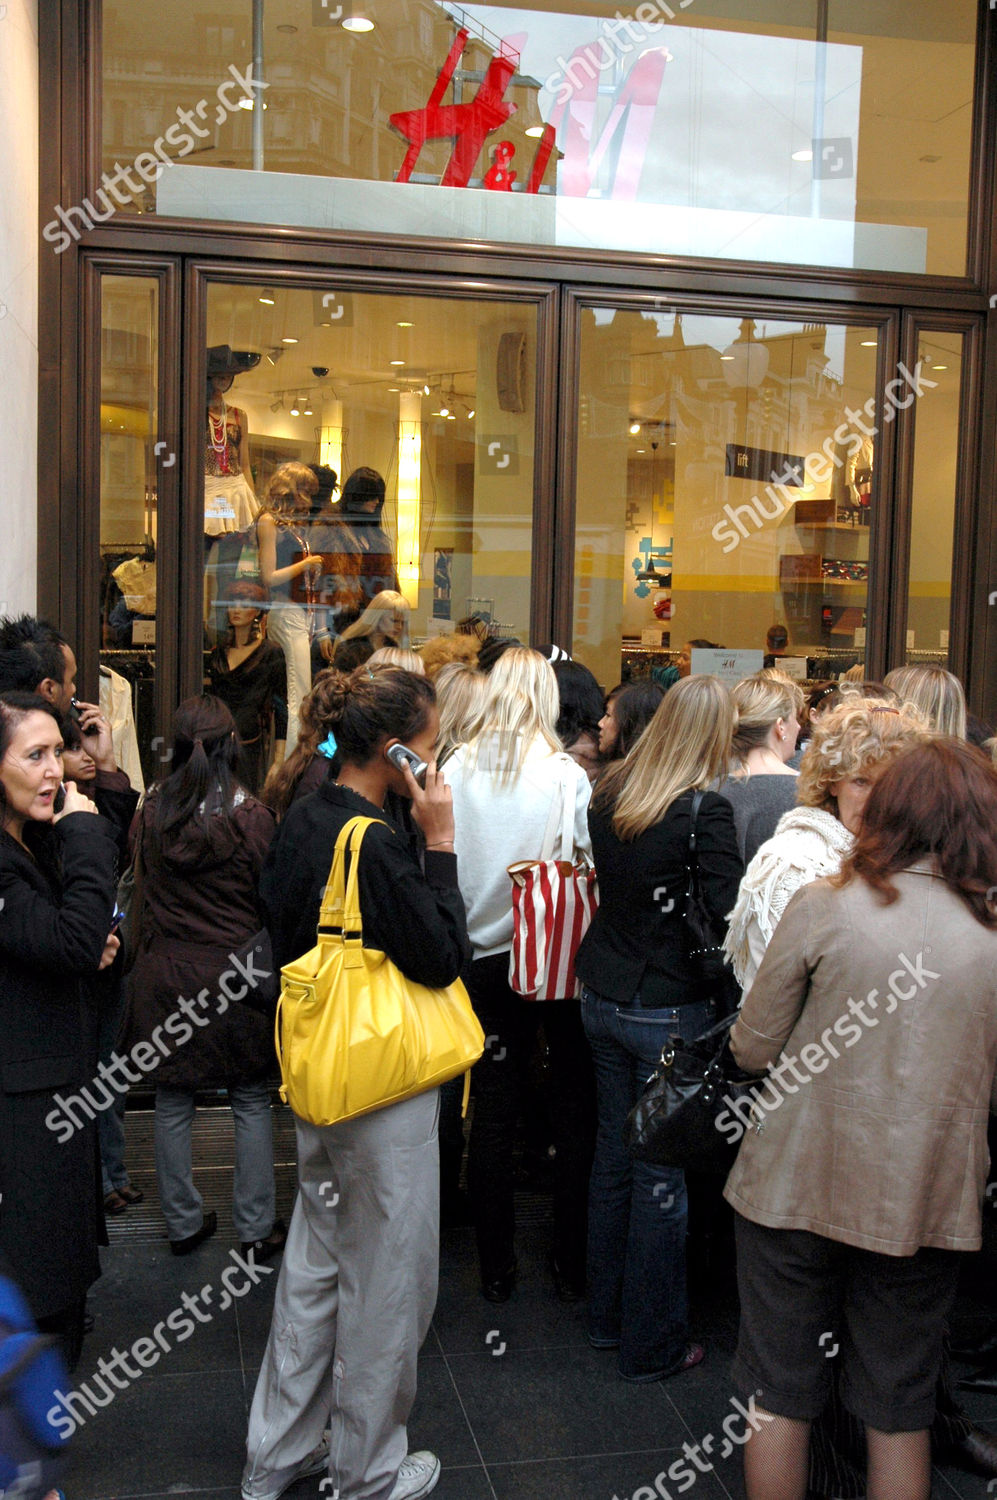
(877,1026)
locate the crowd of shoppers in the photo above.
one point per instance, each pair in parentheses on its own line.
(857,898)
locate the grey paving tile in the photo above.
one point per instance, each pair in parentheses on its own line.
(619,1476)
(165,1433)
(559,1403)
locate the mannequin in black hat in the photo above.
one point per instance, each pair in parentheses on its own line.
(230,505)
(230,502)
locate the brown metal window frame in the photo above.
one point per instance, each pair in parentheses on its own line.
(968,503)
(86,626)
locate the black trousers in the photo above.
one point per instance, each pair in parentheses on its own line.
(511,1025)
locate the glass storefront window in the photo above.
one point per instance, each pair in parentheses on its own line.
(676,128)
(128,516)
(725,482)
(936,450)
(421,411)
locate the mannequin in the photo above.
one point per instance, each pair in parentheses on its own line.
(230,505)
(246,672)
(286,559)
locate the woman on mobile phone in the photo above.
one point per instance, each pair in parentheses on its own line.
(57,873)
(358,1284)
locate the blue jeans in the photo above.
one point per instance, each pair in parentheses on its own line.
(637,1212)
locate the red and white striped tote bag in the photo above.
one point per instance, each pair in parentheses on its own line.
(553,902)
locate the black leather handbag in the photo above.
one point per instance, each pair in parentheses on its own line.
(678,1120)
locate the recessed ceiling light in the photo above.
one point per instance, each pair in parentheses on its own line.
(397,361)
(534,130)
(929,158)
(941,367)
(267,297)
(805,155)
(868,343)
(287,29)
(393,390)
(357,23)
(726,356)
(404,325)
(641,450)
(289,341)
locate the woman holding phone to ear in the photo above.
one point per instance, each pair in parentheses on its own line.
(358,1284)
(57,887)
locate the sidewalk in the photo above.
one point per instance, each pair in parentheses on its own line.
(511,1398)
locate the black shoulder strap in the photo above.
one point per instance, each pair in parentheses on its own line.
(697,799)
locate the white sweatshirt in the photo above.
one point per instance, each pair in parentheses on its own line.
(498,824)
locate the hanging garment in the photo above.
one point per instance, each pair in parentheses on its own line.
(116,706)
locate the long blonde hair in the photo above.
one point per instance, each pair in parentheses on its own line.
(370,622)
(685,746)
(937,693)
(520,706)
(460,690)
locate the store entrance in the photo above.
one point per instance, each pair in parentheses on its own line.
(363,465)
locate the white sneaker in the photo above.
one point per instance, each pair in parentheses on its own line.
(272,1486)
(416,1477)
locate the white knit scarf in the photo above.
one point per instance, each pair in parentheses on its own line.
(808,843)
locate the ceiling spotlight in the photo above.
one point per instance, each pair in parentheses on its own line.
(470,414)
(634,428)
(249,103)
(425,390)
(278,404)
(288,341)
(273,355)
(267,297)
(295,410)
(308,409)
(356,21)
(444,411)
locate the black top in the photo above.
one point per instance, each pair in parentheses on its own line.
(416,919)
(56,917)
(635,942)
(254,689)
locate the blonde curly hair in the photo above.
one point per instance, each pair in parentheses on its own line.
(441,649)
(852,738)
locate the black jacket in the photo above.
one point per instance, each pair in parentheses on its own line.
(636,942)
(416,919)
(199,906)
(55,919)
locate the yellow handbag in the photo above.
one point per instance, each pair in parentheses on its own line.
(352,1033)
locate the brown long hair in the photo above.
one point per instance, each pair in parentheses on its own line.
(937,800)
(315,720)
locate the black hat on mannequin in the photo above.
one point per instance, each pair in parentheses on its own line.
(224,360)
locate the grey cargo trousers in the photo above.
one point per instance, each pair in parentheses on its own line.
(354,1300)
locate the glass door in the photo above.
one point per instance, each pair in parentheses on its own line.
(365,467)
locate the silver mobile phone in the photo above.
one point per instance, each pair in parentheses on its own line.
(401,755)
